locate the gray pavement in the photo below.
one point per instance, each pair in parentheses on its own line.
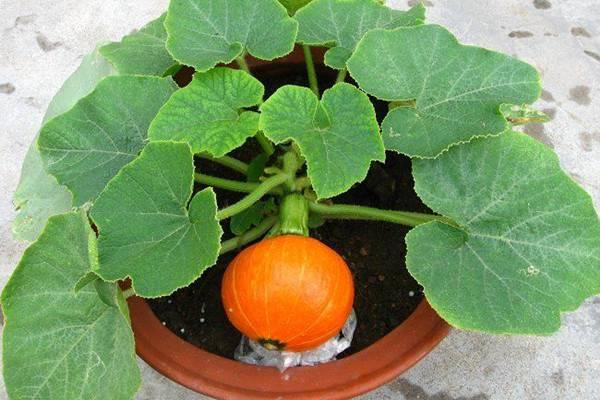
(42,42)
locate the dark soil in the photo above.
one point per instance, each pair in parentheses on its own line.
(385,292)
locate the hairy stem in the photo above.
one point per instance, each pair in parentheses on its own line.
(341,76)
(293,215)
(229,184)
(265,143)
(228,162)
(310,69)
(255,233)
(347,211)
(262,189)
(241,62)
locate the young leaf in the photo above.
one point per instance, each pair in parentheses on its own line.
(457,89)
(208,113)
(242,222)
(203,33)
(344,22)
(338,136)
(527,245)
(39,195)
(147,230)
(86,146)
(256,167)
(59,344)
(142,52)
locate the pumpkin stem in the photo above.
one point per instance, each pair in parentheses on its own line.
(272,344)
(293,215)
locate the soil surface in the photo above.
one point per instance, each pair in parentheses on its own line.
(385,292)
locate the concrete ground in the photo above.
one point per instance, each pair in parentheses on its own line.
(42,42)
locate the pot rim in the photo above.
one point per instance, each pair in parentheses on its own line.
(223,378)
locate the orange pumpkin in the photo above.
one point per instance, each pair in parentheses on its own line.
(288,292)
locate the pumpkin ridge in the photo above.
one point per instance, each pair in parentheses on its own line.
(237,301)
(300,278)
(325,308)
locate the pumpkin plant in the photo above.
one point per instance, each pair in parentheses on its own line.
(113,189)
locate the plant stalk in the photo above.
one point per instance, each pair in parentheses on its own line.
(228,184)
(255,233)
(347,211)
(293,215)
(262,189)
(265,143)
(241,62)
(310,69)
(229,162)
(341,76)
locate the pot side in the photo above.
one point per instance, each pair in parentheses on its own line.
(223,378)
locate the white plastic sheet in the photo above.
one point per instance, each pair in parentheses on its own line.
(250,352)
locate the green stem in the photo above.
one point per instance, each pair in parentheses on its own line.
(293,215)
(302,183)
(250,236)
(346,211)
(227,184)
(310,69)
(127,293)
(241,62)
(341,77)
(265,143)
(228,162)
(262,189)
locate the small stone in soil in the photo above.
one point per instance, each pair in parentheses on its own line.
(182,330)
(381,278)
(411,293)
(363,252)
(202,320)
(164,323)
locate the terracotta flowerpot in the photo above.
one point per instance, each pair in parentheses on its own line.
(223,378)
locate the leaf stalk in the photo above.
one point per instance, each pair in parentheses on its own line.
(310,69)
(347,211)
(262,189)
(229,184)
(251,235)
(229,162)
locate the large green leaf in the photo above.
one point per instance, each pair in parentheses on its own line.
(208,113)
(451,92)
(86,146)
(342,23)
(338,136)
(527,244)
(203,33)
(143,52)
(38,195)
(58,344)
(146,229)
